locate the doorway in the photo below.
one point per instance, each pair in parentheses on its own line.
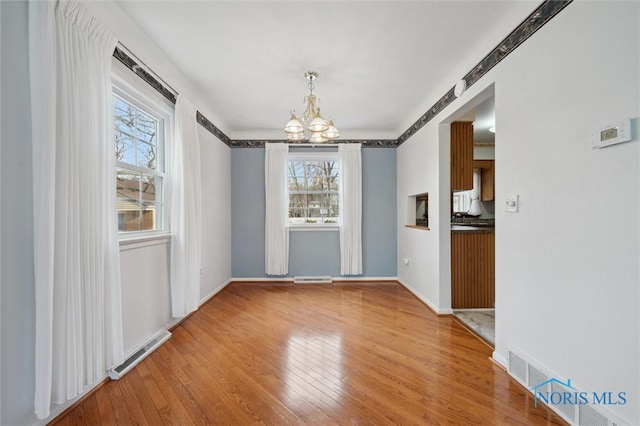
(472,211)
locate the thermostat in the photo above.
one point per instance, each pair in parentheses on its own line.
(612,133)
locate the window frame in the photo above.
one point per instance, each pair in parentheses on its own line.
(314,156)
(133,90)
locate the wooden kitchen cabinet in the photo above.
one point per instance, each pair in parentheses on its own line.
(488,188)
(472,270)
(461,156)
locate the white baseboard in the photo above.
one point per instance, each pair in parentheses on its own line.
(475,310)
(347,278)
(338,278)
(434,308)
(262,279)
(499,359)
(215,291)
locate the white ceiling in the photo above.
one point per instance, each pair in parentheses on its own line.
(378,62)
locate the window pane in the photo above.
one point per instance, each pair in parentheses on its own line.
(138,150)
(125,148)
(146,155)
(313,192)
(127,193)
(147,127)
(148,188)
(136,134)
(123,116)
(148,217)
(138,201)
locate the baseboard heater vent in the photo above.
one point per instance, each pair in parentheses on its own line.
(118,372)
(539,379)
(312,280)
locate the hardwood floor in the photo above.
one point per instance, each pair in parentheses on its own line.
(365,354)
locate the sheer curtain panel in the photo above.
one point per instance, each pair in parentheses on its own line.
(350,160)
(186,212)
(77,271)
(276,250)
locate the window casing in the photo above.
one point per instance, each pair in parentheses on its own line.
(141,127)
(313,190)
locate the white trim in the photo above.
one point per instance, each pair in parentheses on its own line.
(215,291)
(474,310)
(350,278)
(139,241)
(335,278)
(437,310)
(500,359)
(262,279)
(313,156)
(132,89)
(314,227)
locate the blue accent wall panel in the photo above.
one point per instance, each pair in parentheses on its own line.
(313,252)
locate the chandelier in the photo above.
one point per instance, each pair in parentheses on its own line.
(321,130)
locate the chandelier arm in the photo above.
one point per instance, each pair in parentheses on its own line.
(321,129)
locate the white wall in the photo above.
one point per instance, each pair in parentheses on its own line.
(216,213)
(567,275)
(419,172)
(144,266)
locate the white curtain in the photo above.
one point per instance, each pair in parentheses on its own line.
(276,229)
(350,161)
(186,212)
(76,259)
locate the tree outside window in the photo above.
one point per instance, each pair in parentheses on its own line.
(313,192)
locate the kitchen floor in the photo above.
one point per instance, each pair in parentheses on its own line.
(481,322)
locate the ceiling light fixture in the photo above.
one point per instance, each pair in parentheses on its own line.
(321,130)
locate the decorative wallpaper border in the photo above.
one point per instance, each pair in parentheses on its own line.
(366,143)
(543,14)
(130,63)
(215,131)
(536,20)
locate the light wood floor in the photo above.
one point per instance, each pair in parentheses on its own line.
(365,354)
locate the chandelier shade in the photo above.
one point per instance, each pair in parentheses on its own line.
(320,129)
(294,125)
(331,133)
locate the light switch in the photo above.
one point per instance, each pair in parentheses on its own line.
(511,204)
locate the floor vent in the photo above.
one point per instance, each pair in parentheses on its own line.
(590,417)
(118,372)
(568,410)
(518,367)
(531,375)
(312,280)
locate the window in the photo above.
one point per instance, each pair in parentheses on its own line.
(313,189)
(140,174)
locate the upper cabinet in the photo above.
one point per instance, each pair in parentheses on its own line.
(461,156)
(487,179)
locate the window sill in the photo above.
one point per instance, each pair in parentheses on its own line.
(424,228)
(314,228)
(128,242)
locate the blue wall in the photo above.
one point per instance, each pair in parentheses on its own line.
(313,252)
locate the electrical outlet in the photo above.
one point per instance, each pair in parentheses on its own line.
(511,204)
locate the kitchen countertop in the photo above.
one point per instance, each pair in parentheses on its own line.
(472,229)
